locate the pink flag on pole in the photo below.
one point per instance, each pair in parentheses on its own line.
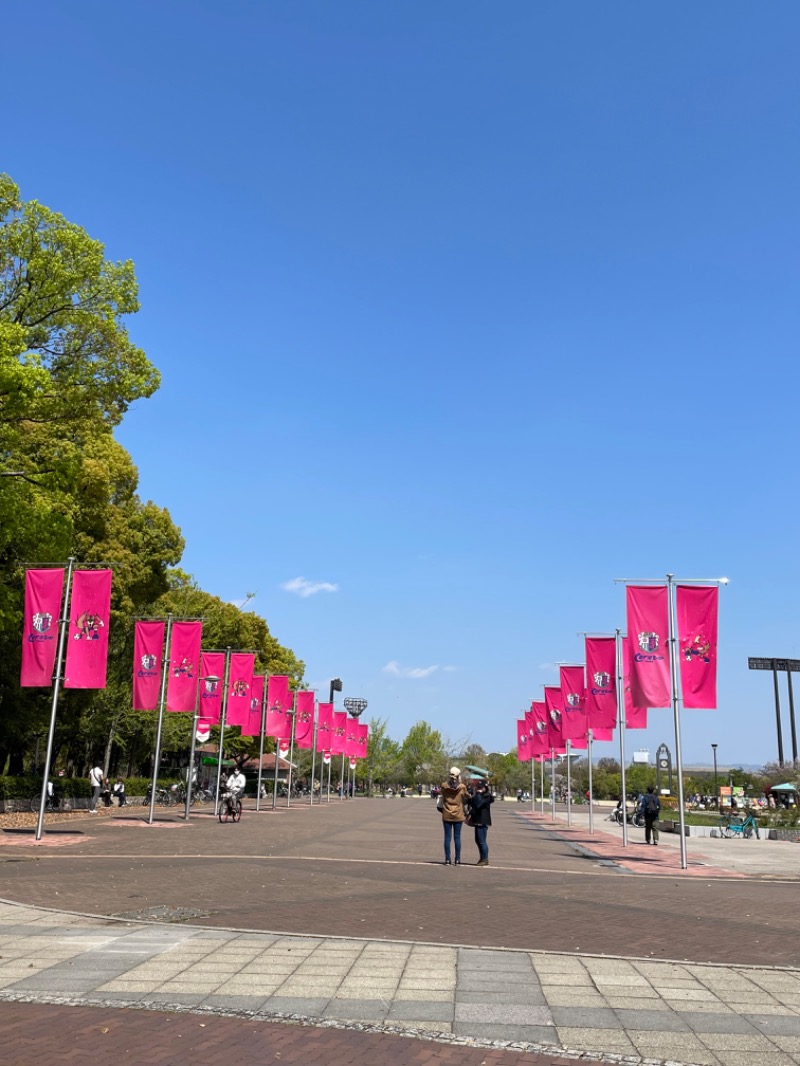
(148,650)
(43,590)
(600,734)
(212,671)
(339,733)
(573,703)
(552,700)
(304,720)
(239,681)
(279,701)
(184,663)
(351,743)
(540,742)
(635,717)
(601,688)
(696,609)
(363,739)
(523,741)
(89,612)
(252,728)
(324,723)
(648,631)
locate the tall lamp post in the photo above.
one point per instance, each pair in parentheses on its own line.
(716,790)
(355,707)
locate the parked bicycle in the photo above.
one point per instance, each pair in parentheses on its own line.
(230,808)
(55,802)
(731,826)
(163,797)
(633,817)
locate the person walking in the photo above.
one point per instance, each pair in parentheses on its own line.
(480,814)
(96,779)
(651,807)
(453,797)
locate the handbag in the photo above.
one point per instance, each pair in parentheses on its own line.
(440,803)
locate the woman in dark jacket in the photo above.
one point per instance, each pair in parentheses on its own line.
(480,812)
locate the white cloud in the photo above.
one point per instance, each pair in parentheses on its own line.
(304,588)
(449,669)
(396,670)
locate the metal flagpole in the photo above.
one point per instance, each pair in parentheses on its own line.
(330,759)
(223,715)
(261,742)
(291,751)
(569,782)
(63,622)
(553,782)
(533,785)
(621,719)
(275,774)
(161,702)
(676,711)
(541,781)
(589,739)
(341,783)
(190,768)
(313,750)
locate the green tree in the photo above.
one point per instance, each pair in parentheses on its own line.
(422,755)
(383,755)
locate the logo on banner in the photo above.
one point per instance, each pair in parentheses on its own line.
(648,642)
(88,625)
(149,662)
(555,717)
(304,716)
(276,708)
(283,749)
(339,731)
(239,687)
(203,733)
(326,757)
(697,648)
(540,727)
(211,686)
(184,668)
(602,680)
(254,703)
(362,742)
(523,739)
(573,699)
(352,764)
(42,621)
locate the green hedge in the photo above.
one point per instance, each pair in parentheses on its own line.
(76,787)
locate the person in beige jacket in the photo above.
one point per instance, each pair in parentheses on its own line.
(453,795)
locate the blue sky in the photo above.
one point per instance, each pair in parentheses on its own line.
(463,309)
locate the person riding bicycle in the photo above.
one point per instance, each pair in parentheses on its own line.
(235,785)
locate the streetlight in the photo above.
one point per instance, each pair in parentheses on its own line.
(336,686)
(716,791)
(212,681)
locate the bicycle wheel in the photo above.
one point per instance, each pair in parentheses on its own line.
(638,820)
(224,813)
(36,803)
(236,813)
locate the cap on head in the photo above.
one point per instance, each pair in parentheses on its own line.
(455,772)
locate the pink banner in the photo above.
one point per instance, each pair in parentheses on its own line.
(540,742)
(148,650)
(696,608)
(212,675)
(351,743)
(279,701)
(324,721)
(635,717)
(252,728)
(552,700)
(339,733)
(523,741)
(648,631)
(87,644)
(363,739)
(240,679)
(601,688)
(43,590)
(573,703)
(184,664)
(304,720)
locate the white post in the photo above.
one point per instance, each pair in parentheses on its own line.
(621,719)
(261,741)
(553,782)
(569,782)
(161,702)
(314,753)
(291,752)
(676,711)
(589,739)
(222,716)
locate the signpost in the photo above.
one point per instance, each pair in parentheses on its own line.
(789,666)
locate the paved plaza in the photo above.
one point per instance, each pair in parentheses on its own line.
(335,935)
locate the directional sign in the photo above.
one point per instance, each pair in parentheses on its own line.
(756,663)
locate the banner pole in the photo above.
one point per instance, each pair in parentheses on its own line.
(330,760)
(190,768)
(313,751)
(341,782)
(533,786)
(161,702)
(553,782)
(222,718)
(591,791)
(275,774)
(541,781)
(621,716)
(261,743)
(676,711)
(63,623)
(569,782)
(291,751)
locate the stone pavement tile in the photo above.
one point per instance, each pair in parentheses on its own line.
(556,963)
(654,970)
(421,1010)
(571,980)
(695,994)
(713,977)
(189,987)
(611,967)
(595,1039)
(498,1014)
(754,1058)
(532,997)
(757,999)
(356,988)
(683,1007)
(504,961)
(619,980)
(124,986)
(244,986)
(775,1025)
(529,1034)
(432,983)
(676,1047)
(560,997)
(126,997)
(637,1002)
(701,1022)
(234,1002)
(773,1008)
(737,1041)
(586,1017)
(54,983)
(182,999)
(789,1044)
(431,995)
(357,1010)
(661,1021)
(309,1007)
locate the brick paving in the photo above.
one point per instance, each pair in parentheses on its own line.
(372,869)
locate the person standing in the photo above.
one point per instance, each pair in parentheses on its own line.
(453,796)
(96,779)
(480,813)
(651,807)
